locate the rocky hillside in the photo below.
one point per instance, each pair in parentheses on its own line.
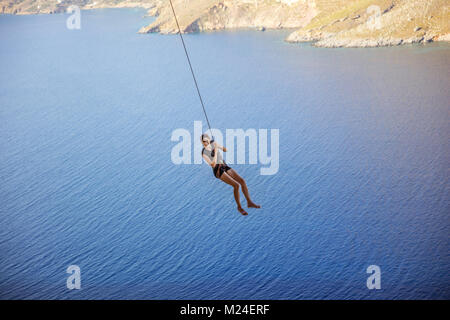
(57,6)
(203,15)
(327,23)
(369,23)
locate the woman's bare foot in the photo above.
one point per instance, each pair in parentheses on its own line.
(242,211)
(253,205)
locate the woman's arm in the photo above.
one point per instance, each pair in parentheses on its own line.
(220,147)
(208,161)
(216,147)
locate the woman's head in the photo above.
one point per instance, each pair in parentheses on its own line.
(205,139)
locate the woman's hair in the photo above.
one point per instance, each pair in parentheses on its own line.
(204,135)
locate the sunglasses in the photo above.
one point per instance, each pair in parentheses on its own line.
(205,141)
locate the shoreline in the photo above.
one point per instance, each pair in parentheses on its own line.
(316,37)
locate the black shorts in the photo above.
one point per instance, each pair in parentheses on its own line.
(221,168)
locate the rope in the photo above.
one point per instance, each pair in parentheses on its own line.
(190,66)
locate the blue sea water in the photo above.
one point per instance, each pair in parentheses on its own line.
(87,179)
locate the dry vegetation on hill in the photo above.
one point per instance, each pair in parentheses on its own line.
(328,23)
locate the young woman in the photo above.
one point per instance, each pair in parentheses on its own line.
(223,172)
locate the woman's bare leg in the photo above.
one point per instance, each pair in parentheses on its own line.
(241,181)
(229,180)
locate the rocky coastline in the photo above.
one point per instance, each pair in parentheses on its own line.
(325,23)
